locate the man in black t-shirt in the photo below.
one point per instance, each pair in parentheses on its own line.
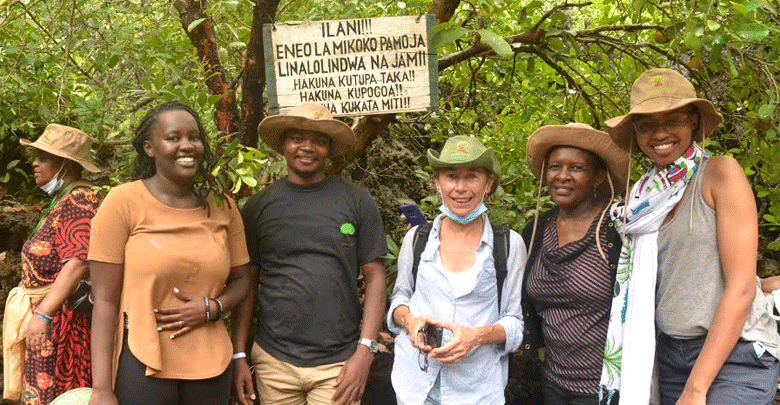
(309,236)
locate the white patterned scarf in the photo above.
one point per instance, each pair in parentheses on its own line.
(630,346)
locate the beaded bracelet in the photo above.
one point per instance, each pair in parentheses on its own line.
(43,317)
(208,308)
(219,309)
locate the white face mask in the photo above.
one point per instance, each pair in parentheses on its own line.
(55,184)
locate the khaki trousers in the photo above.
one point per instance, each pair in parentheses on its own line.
(280,383)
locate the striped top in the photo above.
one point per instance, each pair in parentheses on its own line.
(570,286)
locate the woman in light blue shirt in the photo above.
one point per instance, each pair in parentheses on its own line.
(456,288)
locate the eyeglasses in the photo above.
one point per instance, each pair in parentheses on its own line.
(422,361)
(673,124)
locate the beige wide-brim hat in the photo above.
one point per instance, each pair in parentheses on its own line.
(65,142)
(307,117)
(660,90)
(76,396)
(581,136)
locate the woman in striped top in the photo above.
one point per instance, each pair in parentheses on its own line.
(573,254)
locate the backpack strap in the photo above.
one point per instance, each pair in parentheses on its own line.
(418,245)
(500,253)
(500,257)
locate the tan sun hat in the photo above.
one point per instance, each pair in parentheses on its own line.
(66,142)
(581,136)
(307,117)
(76,396)
(660,90)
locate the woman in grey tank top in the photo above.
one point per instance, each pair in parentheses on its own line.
(690,260)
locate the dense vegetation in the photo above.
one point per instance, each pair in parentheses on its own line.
(506,68)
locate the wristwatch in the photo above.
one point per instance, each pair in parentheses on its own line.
(372,345)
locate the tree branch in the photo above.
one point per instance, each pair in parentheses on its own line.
(443,9)
(573,83)
(555,9)
(529,37)
(205,43)
(52,39)
(623,28)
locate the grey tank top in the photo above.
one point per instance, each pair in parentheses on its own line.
(690,281)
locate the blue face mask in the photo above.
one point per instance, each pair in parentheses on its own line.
(466,219)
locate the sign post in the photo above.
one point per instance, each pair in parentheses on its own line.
(353,67)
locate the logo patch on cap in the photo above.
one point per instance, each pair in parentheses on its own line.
(347,228)
(461,147)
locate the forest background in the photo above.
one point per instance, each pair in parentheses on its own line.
(506,67)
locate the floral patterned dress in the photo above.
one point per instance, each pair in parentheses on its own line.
(65,362)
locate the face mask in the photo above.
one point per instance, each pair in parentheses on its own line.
(55,184)
(468,218)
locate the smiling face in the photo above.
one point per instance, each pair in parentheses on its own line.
(305,153)
(462,188)
(666,136)
(176,146)
(572,175)
(45,167)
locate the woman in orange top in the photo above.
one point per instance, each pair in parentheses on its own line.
(168,254)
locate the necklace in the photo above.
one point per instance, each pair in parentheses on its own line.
(51,206)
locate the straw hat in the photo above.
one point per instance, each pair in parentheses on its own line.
(307,117)
(65,142)
(580,136)
(660,90)
(76,396)
(465,151)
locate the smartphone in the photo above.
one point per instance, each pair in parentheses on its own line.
(413,214)
(432,335)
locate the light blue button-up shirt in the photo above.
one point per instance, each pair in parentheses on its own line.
(480,377)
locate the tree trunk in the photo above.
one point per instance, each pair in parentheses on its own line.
(205,43)
(254,81)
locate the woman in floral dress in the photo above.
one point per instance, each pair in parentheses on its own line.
(46,344)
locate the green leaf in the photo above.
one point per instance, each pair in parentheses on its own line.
(762,193)
(249,181)
(447,36)
(765,111)
(195,24)
(223,54)
(498,44)
(753,32)
(5,178)
(12,164)
(692,42)
(713,25)
(732,66)
(237,186)
(770,218)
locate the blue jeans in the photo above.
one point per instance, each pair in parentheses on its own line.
(747,377)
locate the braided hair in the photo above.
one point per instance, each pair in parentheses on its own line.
(144,167)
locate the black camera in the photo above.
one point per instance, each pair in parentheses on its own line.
(432,335)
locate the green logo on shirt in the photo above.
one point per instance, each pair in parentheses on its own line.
(347,229)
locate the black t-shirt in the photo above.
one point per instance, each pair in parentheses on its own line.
(309,243)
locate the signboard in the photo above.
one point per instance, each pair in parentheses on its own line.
(353,67)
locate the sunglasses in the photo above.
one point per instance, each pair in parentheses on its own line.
(672,124)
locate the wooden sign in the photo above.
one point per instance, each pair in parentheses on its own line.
(353,67)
